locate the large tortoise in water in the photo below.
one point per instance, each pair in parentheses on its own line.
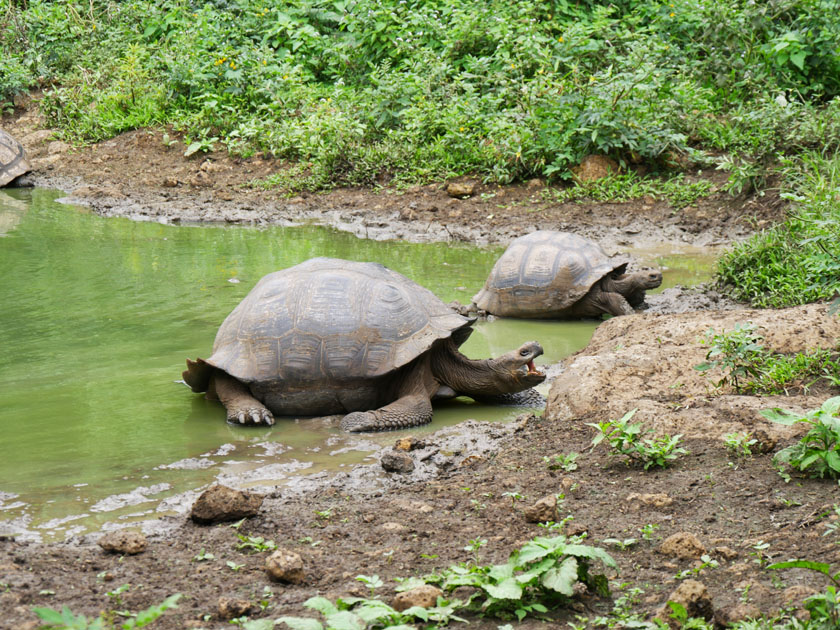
(13,161)
(560,275)
(332,336)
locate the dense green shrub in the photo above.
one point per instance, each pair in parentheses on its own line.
(414,89)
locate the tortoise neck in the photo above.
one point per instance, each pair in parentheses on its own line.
(473,377)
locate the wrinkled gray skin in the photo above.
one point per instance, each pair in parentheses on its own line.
(442,372)
(331,336)
(616,294)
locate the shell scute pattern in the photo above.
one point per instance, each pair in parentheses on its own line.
(330,319)
(544,273)
(13,162)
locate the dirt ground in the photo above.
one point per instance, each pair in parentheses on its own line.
(477,481)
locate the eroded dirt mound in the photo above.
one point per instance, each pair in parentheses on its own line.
(647,361)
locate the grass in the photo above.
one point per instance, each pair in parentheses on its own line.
(349,91)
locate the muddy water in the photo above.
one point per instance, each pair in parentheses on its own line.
(96,318)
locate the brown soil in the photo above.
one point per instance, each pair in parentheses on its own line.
(370,522)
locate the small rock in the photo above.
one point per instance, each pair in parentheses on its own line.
(393,527)
(656,500)
(220,503)
(57,147)
(594,167)
(397,461)
(542,511)
(409,443)
(730,615)
(424,596)
(727,553)
(285,566)
(683,545)
(691,595)
(231,607)
(765,443)
(461,190)
(125,541)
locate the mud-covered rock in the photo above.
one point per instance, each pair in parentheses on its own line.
(542,511)
(684,545)
(397,461)
(409,443)
(219,503)
(594,167)
(462,190)
(124,541)
(653,500)
(691,595)
(425,596)
(285,566)
(232,607)
(742,611)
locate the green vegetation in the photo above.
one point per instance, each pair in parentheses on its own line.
(740,444)
(818,451)
(539,576)
(628,439)
(798,261)
(750,368)
(823,608)
(66,620)
(359,92)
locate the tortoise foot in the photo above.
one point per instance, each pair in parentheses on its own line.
(252,415)
(361,421)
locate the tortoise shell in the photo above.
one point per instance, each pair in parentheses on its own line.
(13,162)
(329,320)
(544,273)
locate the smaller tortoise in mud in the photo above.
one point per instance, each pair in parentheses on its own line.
(331,336)
(13,161)
(559,275)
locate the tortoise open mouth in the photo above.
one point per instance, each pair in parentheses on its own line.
(530,369)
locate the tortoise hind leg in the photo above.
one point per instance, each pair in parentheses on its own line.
(408,411)
(241,406)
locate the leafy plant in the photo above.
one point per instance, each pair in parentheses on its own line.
(706,562)
(750,368)
(739,443)
(738,352)
(628,439)
(255,544)
(824,608)
(356,612)
(66,620)
(542,573)
(818,451)
(565,462)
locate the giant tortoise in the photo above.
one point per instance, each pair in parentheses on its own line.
(13,162)
(559,275)
(332,336)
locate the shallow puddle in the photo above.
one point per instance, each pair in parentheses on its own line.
(97,317)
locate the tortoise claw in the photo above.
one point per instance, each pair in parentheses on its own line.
(255,416)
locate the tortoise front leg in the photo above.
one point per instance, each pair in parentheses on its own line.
(408,411)
(241,406)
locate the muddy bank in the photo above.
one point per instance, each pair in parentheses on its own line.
(476,482)
(138,175)
(735,509)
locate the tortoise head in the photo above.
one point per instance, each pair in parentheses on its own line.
(510,373)
(516,370)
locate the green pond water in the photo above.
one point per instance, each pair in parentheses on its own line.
(98,315)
